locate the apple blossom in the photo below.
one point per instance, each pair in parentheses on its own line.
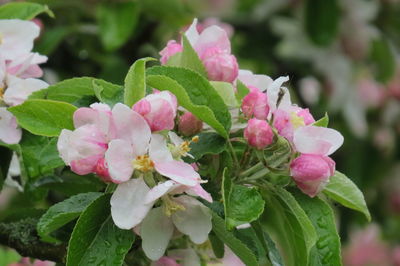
(287,120)
(189,217)
(258,133)
(189,124)
(214,50)
(83,149)
(159,110)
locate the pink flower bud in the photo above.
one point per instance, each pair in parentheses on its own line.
(258,133)
(311,172)
(189,125)
(172,48)
(159,110)
(255,104)
(220,65)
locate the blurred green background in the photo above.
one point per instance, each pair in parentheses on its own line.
(342,56)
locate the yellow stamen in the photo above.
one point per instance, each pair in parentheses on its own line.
(195,139)
(184,148)
(143,163)
(297,121)
(171,206)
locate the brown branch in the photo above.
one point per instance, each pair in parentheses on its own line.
(22,237)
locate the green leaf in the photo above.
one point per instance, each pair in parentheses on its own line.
(190,59)
(40,154)
(72,90)
(226,91)
(23,10)
(342,190)
(117,21)
(96,240)
(70,184)
(9,257)
(383,60)
(44,117)
(288,225)
(240,249)
(135,82)
(226,191)
(194,93)
(209,143)
(63,212)
(327,249)
(217,245)
(322,21)
(323,122)
(242,90)
(244,206)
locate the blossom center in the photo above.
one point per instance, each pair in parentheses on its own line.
(297,121)
(143,163)
(171,206)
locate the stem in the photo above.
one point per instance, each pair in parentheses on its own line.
(235,159)
(252,169)
(22,237)
(257,175)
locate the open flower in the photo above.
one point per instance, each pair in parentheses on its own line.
(189,217)
(137,149)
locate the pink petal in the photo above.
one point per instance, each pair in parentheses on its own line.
(180,172)
(86,165)
(213,37)
(131,127)
(198,190)
(317,140)
(119,158)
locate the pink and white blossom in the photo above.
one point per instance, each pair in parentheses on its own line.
(214,50)
(84,148)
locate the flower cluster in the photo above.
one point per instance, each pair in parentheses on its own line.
(19,70)
(138,147)
(134,148)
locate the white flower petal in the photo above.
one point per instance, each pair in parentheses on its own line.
(160,190)
(158,150)
(10,133)
(119,156)
(317,140)
(194,221)
(127,203)
(156,232)
(20,89)
(132,127)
